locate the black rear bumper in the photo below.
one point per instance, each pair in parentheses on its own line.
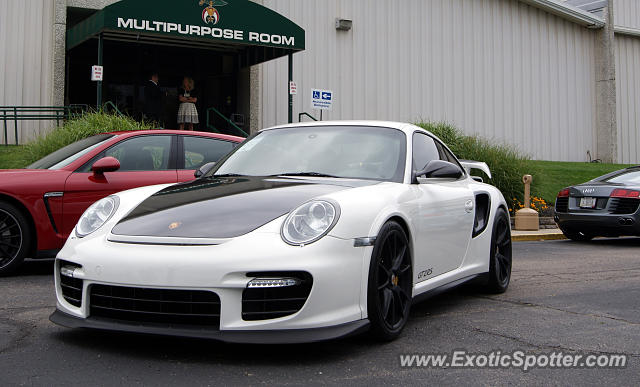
(290,336)
(600,224)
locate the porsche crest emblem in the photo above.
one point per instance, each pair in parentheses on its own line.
(175,225)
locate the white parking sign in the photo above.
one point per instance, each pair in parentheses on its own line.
(321,99)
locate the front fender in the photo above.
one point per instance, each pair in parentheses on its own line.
(364,210)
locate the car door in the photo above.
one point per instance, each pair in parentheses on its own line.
(197,151)
(445,214)
(144,160)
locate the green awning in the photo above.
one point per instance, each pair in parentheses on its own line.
(254,32)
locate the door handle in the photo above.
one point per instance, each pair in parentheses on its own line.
(468,206)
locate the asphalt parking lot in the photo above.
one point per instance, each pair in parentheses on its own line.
(564,296)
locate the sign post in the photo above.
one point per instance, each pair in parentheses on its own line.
(99,85)
(290,82)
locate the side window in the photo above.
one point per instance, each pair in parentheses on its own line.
(424,150)
(201,150)
(144,153)
(446,155)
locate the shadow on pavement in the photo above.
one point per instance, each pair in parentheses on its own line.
(621,242)
(188,350)
(33,267)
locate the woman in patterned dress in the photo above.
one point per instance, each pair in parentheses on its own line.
(187,112)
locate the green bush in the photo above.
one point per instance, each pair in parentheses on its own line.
(78,128)
(506,163)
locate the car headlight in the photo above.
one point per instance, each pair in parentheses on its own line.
(310,222)
(97,215)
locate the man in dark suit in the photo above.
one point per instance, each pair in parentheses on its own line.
(153,100)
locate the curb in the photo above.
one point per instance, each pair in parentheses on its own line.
(537,237)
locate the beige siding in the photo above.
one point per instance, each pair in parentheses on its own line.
(628,97)
(499,68)
(627,13)
(26,65)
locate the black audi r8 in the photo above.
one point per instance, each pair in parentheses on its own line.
(606,206)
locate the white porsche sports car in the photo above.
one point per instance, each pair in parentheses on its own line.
(305,232)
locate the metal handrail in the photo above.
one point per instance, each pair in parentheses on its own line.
(37,113)
(113,106)
(306,114)
(236,127)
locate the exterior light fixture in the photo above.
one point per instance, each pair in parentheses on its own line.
(344,24)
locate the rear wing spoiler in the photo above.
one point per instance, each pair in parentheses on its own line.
(468,165)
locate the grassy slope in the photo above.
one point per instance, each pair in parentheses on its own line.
(73,130)
(13,157)
(555,175)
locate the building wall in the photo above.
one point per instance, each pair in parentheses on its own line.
(498,68)
(628,96)
(627,13)
(26,60)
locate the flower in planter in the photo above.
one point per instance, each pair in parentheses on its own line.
(538,204)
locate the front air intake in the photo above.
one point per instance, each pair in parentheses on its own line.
(275,294)
(155,306)
(71,287)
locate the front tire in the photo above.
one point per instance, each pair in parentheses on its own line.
(390,283)
(500,259)
(15,238)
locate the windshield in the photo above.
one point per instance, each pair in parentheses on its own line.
(331,151)
(629,177)
(70,153)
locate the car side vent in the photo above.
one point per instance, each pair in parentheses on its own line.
(483,206)
(562,204)
(275,294)
(623,205)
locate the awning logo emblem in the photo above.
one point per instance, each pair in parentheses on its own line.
(210,15)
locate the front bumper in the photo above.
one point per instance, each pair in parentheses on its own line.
(336,305)
(287,336)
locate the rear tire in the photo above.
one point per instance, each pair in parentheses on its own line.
(15,238)
(577,236)
(390,283)
(500,259)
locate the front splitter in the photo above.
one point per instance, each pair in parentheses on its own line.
(285,336)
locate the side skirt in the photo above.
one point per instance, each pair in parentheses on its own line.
(441,289)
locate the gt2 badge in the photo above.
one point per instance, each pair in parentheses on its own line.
(424,274)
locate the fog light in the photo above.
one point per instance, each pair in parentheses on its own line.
(272,282)
(68,271)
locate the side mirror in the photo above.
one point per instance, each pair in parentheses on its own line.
(105,164)
(439,169)
(204,169)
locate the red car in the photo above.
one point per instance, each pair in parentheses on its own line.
(40,205)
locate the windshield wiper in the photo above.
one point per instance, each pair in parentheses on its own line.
(314,174)
(227,175)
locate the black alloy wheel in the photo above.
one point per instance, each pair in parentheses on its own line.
(390,282)
(500,259)
(14,237)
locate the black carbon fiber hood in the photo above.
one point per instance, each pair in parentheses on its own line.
(222,207)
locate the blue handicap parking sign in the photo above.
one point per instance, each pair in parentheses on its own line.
(321,99)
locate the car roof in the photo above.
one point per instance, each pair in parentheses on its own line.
(131,133)
(403,126)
